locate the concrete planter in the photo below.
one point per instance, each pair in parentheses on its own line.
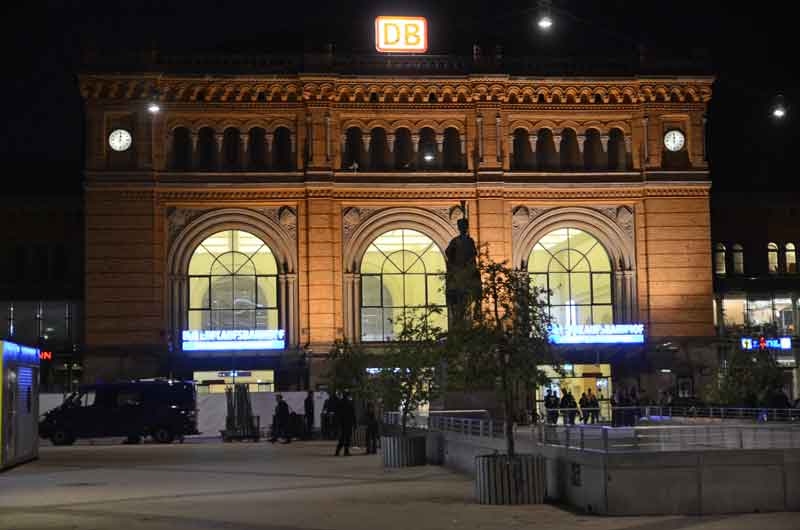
(403,451)
(502,480)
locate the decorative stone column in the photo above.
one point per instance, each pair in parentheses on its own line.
(628,151)
(327,137)
(292,313)
(293,143)
(218,142)
(532,140)
(604,142)
(195,158)
(170,162)
(268,138)
(498,137)
(309,139)
(645,143)
(244,141)
(557,142)
(479,122)
(415,142)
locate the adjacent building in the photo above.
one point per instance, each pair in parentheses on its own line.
(273,205)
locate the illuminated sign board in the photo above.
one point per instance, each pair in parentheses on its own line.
(597,334)
(401,34)
(233,339)
(763,343)
(16,352)
(45,356)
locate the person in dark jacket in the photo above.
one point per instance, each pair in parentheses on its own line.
(345,422)
(371,421)
(308,404)
(280,425)
(584,404)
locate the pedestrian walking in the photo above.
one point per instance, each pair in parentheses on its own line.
(594,408)
(371,422)
(280,422)
(308,405)
(345,422)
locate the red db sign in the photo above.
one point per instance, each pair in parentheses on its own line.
(401,34)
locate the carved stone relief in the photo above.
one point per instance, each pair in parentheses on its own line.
(353,217)
(179,218)
(622,216)
(522,216)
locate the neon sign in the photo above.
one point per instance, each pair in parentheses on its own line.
(233,339)
(16,352)
(401,34)
(763,343)
(45,356)
(597,334)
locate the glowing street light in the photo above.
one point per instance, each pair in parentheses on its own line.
(428,157)
(779,108)
(545,21)
(153,108)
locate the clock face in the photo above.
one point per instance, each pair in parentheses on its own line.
(120,140)
(674,140)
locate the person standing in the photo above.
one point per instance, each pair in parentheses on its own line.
(308,404)
(594,408)
(371,421)
(345,421)
(280,425)
(584,404)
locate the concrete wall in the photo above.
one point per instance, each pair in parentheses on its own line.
(691,483)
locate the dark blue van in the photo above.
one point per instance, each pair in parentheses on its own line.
(163,410)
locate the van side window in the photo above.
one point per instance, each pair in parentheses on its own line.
(129,398)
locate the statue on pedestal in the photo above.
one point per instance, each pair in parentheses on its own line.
(463,279)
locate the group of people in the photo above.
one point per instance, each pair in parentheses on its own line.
(587,408)
(338,421)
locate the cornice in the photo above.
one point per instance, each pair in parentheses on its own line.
(290,91)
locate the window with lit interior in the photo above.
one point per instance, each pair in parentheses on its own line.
(738,259)
(402,272)
(791,258)
(772,258)
(233,279)
(576,270)
(719,259)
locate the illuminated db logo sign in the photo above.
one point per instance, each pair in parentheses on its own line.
(401,34)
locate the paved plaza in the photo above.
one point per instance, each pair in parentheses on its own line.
(300,486)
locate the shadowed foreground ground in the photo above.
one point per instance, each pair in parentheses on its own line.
(299,486)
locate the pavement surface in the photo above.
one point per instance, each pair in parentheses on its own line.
(208,485)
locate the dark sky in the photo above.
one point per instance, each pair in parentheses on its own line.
(753,56)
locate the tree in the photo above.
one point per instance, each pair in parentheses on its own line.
(410,377)
(347,370)
(506,341)
(751,379)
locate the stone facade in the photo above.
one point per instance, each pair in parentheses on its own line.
(317,164)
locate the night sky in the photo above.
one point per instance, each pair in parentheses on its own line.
(753,54)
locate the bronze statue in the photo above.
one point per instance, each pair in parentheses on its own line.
(463,278)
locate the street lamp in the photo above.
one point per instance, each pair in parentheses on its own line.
(779,110)
(153,108)
(545,20)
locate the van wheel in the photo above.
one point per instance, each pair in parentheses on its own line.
(62,437)
(163,435)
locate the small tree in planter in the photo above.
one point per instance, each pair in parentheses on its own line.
(500,346)
(410,379)
(347,371)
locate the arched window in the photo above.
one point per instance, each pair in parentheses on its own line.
(428,153)
(593,150)
(206,149)
(353,147)
(230,148)
(575,267)
(233,283)
(791,258)
(570,154)
(402,271)
(546,156)
(738,258)
(719,259)
(523,157)
(181,149)
(378,150)
(403,149)
(772,258)
(258,149)
(451,150)
(282,150)
(617,156)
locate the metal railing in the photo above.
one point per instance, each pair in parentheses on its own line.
(606,439)
(670,438)
(649,414)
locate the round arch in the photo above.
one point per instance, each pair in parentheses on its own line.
(254,223)
(618,245)
(417,219)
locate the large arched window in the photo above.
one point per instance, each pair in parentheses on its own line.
(402,271)
(790,258)
(738,258)
(233,283)
(576,270)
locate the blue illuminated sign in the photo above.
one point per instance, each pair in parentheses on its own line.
(781,343)
(598,334)
(234,340)
(12,351)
